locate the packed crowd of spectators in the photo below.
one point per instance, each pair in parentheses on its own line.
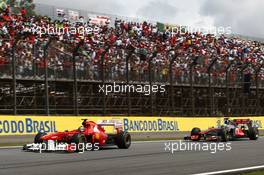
(142,42)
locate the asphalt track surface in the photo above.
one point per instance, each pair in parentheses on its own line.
(142,158)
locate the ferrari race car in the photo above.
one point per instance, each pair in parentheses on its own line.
(231,130)
(90,136)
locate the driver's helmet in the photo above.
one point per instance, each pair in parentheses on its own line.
(81,128)
(226,121)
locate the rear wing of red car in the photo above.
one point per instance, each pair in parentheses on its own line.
(242,121)
(111,126)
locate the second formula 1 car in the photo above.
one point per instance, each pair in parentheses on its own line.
(231,130)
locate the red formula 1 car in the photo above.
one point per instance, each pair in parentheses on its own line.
(233,129)
(90,133)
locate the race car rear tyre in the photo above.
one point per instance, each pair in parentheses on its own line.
(80,141)
(123,140)
(253,133)
(38,139)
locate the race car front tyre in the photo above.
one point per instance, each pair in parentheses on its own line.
(80,141)
(223,135)
(38,139)
(253,133)
(123,140)
(231,135)
(25,147)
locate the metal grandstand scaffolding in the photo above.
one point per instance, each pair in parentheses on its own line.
(53,87)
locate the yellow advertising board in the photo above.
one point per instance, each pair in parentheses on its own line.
(23,125)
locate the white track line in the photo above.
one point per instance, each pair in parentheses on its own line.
(10,147)
(232,170)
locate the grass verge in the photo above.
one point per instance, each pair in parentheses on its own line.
(12,144)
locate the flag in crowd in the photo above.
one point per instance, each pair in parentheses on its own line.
(73,15)
(60,12)
(99,20)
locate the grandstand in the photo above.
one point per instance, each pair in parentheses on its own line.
(204,75)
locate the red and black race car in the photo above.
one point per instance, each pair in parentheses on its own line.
(231,130)
(90,133)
